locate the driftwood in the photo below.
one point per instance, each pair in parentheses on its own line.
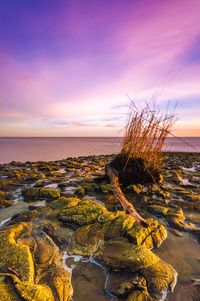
(120,197)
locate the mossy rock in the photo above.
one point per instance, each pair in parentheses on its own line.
(64,202)
(106,188)
(86,240)
(118,225)
(161,279)
(120,255)
(173,214)
(16,256)
(24,216)
(86,188)
(36,193)
(32,262)
(123,284)
(86,212)
(149,236)
(139,295)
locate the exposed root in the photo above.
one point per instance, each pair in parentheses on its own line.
(114,181)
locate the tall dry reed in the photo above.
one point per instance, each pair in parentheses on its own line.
(145,133)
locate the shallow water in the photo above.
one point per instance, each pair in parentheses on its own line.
(183,253)
(8,212)
(88,281)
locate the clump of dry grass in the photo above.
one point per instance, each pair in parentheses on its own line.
(145,133)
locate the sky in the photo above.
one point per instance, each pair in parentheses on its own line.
(70,67)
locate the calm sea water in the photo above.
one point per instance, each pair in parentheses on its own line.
(49,149)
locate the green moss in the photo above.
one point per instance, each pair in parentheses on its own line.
(14,255)
(8,292)
(121,255)
(118,224)
(106,188)
(32,262)
(36,193)
(161,278)
(86,240)
(64,202)
(86,212)
(149,236)
(34,292)
(139,296)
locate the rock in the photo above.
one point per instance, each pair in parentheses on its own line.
(33,262)
(123,283)
(149,236)
(120,255)
(24,216)
(106,188)
(15,255)
(86,188)
(36,193)
(86,240)
(5,203)
(137,188)
(118,225)
(161,279)
(64,202)
(139,295)
(85,213)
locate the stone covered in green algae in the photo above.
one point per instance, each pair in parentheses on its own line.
(161,279)
(174,215)
(139,295)
(86,212)
(64,202)
(118,224)
(32,262)
(86,240)
(121,255)
(150,235)
(110,226)
(122,284)
(36,193)
(16,256)
(106,188)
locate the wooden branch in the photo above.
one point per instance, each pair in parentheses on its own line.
(120,197)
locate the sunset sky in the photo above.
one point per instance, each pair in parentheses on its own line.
(67,66)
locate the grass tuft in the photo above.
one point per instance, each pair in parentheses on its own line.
(145,132)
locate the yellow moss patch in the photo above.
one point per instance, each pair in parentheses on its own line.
(16,257)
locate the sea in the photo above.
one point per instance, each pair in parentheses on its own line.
(58,148)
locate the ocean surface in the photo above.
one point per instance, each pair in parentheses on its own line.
(50,149)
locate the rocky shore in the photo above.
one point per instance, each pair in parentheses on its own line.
(57,218)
